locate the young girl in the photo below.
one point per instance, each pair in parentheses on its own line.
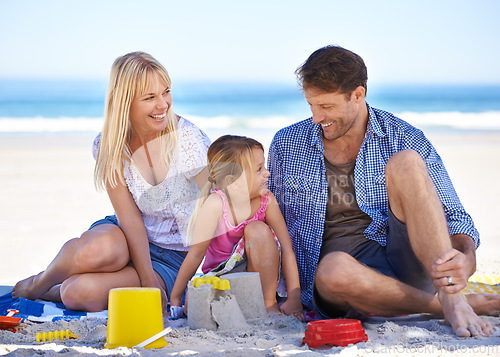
(237,225)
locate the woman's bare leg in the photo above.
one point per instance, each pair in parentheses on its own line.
(101,249)
(54,294)
(89,291)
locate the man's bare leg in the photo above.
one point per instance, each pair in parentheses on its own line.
(414,200)
(345,282)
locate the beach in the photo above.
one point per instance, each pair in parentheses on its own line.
(240,68)
(48,197)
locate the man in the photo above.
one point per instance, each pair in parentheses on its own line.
(375,221)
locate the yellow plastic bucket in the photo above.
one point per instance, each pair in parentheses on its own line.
(134,315)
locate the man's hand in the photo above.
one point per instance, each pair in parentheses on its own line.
(451,271)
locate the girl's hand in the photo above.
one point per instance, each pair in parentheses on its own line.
(293,307)
(176,308)
(177,312)
(175,301)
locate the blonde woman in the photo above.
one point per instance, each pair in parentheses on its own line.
(152,164)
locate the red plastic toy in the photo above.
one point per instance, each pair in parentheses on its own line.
(8,322)
(340,332)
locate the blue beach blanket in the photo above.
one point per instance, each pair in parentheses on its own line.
(43,311)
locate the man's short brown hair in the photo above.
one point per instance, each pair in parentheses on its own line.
(333,69)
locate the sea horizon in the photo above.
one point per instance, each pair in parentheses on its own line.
(77,106)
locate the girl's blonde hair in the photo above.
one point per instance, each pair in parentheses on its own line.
(228,155)
(131,76)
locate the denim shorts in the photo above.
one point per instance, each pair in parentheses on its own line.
(166,262)
(396,260)
(105,220)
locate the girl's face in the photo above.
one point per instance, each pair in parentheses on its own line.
(148,112)
(260,175)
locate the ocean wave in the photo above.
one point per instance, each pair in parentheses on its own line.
(251,122)
(442,120)
(50,125)
(454,120)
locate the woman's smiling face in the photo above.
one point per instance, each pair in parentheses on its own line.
(148,111)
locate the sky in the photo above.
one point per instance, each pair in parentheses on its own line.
(401,41)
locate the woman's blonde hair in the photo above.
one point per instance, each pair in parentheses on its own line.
(130,77)
(229,155)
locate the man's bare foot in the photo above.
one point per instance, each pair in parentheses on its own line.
(29,288)
(484,304)
(462,318)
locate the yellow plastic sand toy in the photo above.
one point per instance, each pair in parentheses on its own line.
(216,282)
(54,335)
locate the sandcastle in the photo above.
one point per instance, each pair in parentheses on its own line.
(226,303)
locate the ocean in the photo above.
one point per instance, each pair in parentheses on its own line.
(64,106)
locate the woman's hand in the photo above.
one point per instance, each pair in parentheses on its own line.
(293,307)
(153,282)
(164,302)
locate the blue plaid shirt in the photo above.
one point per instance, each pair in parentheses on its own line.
(298,180)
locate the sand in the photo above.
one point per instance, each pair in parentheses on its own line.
(48,197)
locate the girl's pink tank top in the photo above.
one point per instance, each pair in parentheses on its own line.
(221,246)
